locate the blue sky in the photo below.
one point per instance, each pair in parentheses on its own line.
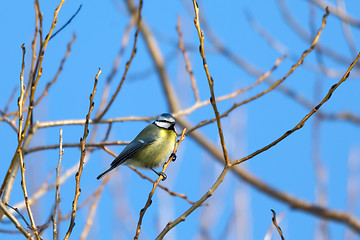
(289,167)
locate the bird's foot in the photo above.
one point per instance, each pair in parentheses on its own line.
(163,175)
(160,174)
(173,155)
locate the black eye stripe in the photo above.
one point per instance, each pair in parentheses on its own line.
(165,121)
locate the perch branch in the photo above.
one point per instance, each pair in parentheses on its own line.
(149,200)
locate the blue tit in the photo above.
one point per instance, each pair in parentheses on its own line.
(151,147)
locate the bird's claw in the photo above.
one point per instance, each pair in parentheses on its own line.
(173,155)
(163,175)
(160,174)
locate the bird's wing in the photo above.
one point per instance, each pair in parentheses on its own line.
(130,150)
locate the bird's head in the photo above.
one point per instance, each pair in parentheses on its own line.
(166,121)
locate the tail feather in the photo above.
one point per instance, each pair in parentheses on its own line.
(101,175)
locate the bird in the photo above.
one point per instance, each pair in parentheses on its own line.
(150,148)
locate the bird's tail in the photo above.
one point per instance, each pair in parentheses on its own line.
(101,175)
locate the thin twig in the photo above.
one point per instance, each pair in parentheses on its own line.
(19,213)
(71,145)
(210,81)
(22,93)
(15,221)
(82,121)
(276,225)
(49,84)
(20,154)
(67,23)
(82,157)
(57,186)
(187,61)
(107,134)
(38,30)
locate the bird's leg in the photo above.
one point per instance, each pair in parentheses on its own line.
(173,155)
(160,173)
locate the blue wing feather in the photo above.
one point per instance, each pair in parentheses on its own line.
(129,151)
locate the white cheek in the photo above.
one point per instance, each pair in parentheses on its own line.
(165,125)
